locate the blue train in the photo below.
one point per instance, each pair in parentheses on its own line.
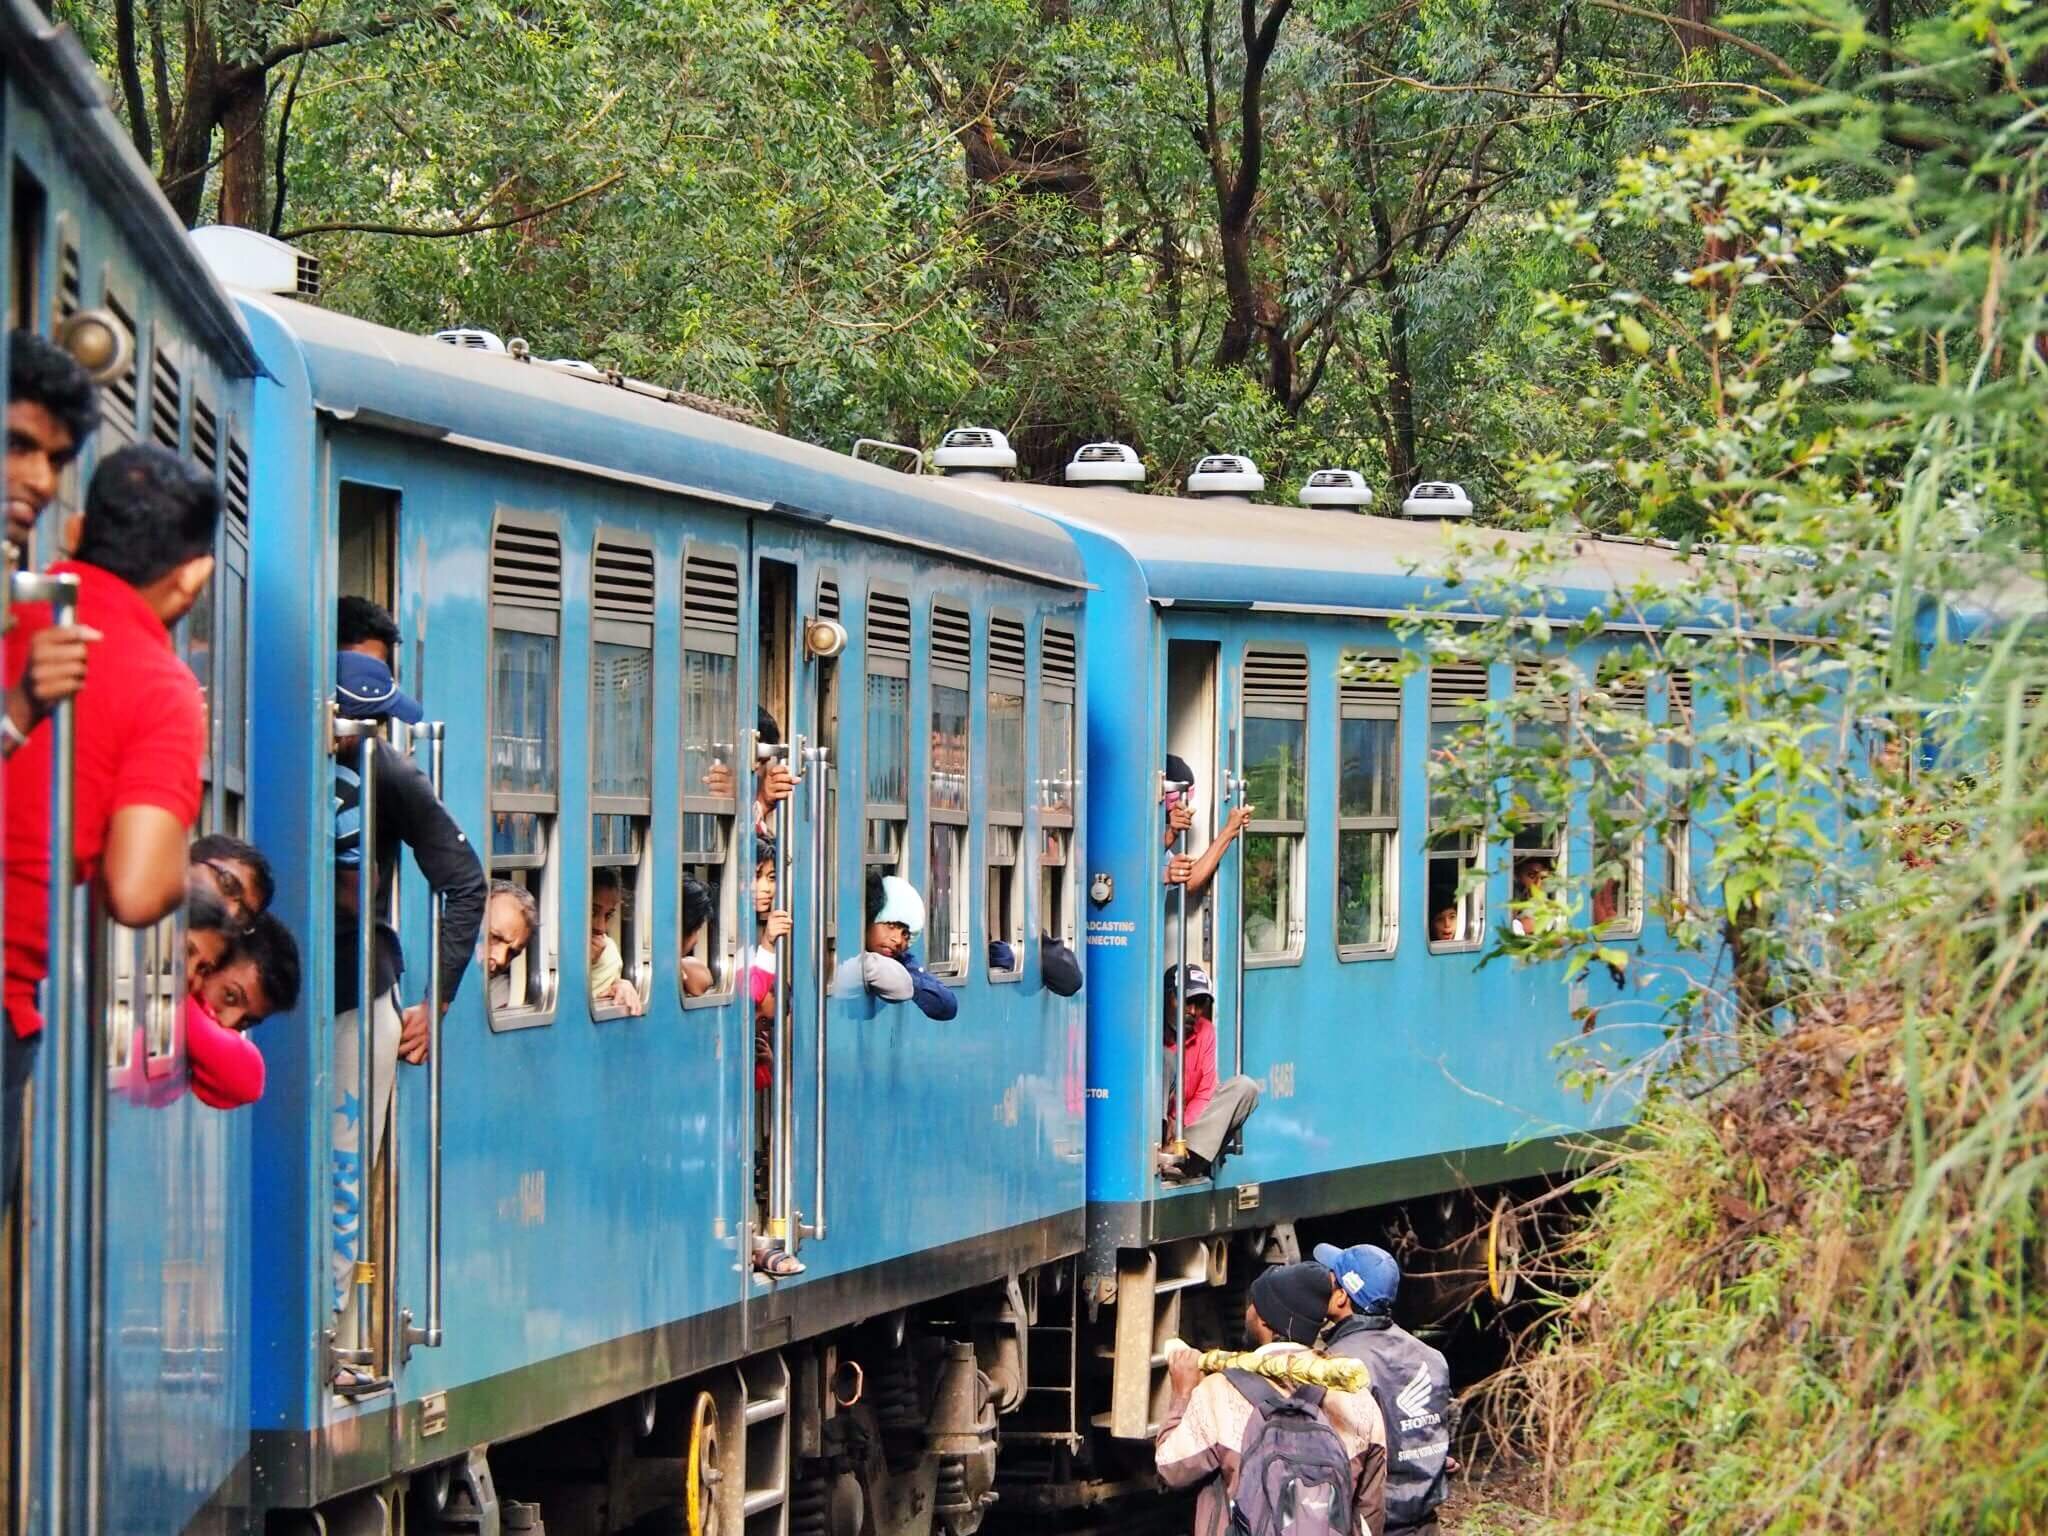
(613,605)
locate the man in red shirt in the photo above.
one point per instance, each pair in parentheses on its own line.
(145,554)
(1214,1109)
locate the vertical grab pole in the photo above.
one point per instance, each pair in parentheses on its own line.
(71,1078)
(1238,790)
(821,769)
(782,1156)
(365,1277)
(432,734)
(1180,988)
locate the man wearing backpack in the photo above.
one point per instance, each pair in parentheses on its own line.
(1270,1461)
(1410,1381)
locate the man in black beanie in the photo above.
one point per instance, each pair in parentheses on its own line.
(1211,1421)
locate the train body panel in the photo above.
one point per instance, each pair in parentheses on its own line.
(596,1169)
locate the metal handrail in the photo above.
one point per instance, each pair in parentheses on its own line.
(778,1140)
(64,1475)
(433,733)
(364,1278)
(1180,988)
(820,766)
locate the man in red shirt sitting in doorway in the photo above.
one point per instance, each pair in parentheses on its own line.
(144,555)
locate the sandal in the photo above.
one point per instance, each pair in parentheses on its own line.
(777,1263)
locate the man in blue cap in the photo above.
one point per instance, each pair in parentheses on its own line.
(1410,1381)
(408,812)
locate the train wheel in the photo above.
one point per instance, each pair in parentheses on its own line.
(702,1475)
(1503,1251)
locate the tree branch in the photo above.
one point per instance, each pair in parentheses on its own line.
(284,129)
(1756,49)
(131,78)
(446,232)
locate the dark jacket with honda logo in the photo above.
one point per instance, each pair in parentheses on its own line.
(1412,1385)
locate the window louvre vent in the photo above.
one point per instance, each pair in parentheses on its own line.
(526,569)
(308,275)
(828,599)
(1276,677)
(711,594)
(1056,657)
(205,436)
(238,486)
(1370,681)
(123,389)
(163,398)
(622,582)
(70,297)
(952,638)
(1631,696)
(1529,683)
(1457,685)
(1681,695)
(1006,649)
(888,624)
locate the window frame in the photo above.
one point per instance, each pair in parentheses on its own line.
(1290,833)
(1363,708)
(1455,710)
(1679,707)
(724,966)
(1003,679)
(521,619)
(1628,923)
(633,634)
(887,664)
(955,964)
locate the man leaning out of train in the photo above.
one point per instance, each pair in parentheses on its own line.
(1411,1382)
(144,555)
(1222,1435)
(237,974)
(52,408)
(1215,1109)
(895,918)
(407,811)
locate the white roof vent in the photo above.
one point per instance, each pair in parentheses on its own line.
(1105,464)
(574,365)
(471,339)
(974,449)
(1226,474)
(243,258)
(1335,488)
(1437,498)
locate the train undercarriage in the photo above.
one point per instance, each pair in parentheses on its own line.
(1039,1393)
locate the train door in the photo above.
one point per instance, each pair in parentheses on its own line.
(1199,776)
(786,924)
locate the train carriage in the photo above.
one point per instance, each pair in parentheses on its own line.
(1248,642)
(154,1243)
(599,591)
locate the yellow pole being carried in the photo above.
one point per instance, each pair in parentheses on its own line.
(1295,1367)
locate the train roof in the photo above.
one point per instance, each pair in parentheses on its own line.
(497,403)
(47,63)
(1232,553)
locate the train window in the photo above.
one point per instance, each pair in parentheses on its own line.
(1368,804)
(1618,854)
(1454,852)
(621,947)
(711,775)
(887,731)
(1276,772)
(828,744)
(1057,676)
(25,250)
(1539,833)
(1006,769)
(526,620)
(947,802)
(1678,812)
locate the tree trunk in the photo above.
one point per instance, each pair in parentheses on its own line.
(244,167)
(1401,452)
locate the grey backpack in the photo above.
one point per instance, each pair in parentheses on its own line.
(1294,1477)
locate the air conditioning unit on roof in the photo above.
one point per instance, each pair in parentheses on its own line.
(981,450)
(1226,474)
(1105,464)
(1437,498)
(1335,488)
(472,339)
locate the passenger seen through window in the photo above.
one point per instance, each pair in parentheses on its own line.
(609,987)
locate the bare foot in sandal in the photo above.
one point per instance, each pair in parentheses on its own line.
(777,1263)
